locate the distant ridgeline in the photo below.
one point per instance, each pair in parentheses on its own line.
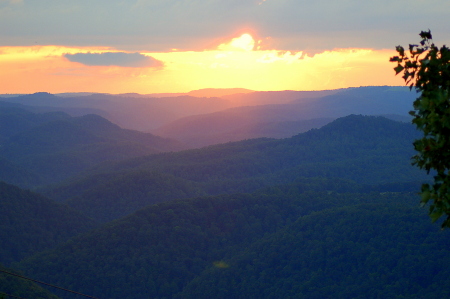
(202,118)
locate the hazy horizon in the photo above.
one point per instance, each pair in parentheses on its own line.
(201,92)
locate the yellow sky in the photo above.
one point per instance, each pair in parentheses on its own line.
(238,62)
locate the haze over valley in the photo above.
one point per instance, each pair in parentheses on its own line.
(122,204)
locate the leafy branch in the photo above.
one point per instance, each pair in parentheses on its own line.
(427,68)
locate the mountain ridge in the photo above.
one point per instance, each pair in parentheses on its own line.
(229,124)
(54,145)
(365,142)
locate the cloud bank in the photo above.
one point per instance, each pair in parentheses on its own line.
(50,68)
(121,59)
(160,25)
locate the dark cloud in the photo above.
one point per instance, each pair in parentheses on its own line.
(114,58)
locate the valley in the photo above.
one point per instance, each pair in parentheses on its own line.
(217,194)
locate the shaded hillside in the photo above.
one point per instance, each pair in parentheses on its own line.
(349,141)
(73,111)
(363,149)
(116,195)
(256,245)
(14,118)
(156,251)
(52,146)
(230,124)
(284,129)
(371,250)
(15,287)
(281,129)
(30,223)
(17,175)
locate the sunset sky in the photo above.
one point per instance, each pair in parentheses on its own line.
(155,46)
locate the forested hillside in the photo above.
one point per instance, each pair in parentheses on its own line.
(369,250)
(15,287)
(363,149)
(30,223)
(276,243)
(40,148)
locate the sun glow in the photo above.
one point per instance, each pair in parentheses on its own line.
(243,43)
(235,63)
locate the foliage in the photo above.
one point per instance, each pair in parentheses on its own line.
(121,194)
(17,287)
(30,223)
(337,253)
(363,149)
(427,69)
(42,148)
(277,243)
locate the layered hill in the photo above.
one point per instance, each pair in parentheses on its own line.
(150,112)
(325,213)
(305,110)
(273,121)
(127,111)
(278,242)
(363,149)
(38,148)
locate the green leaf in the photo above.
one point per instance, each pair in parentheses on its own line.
(400,50)
(398,69)
(427,68)
(426,195)
(426,34)
(436,215)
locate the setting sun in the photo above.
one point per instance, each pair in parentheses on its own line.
(244,42)
(233,63)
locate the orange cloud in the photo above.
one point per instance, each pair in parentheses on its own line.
(236,63)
